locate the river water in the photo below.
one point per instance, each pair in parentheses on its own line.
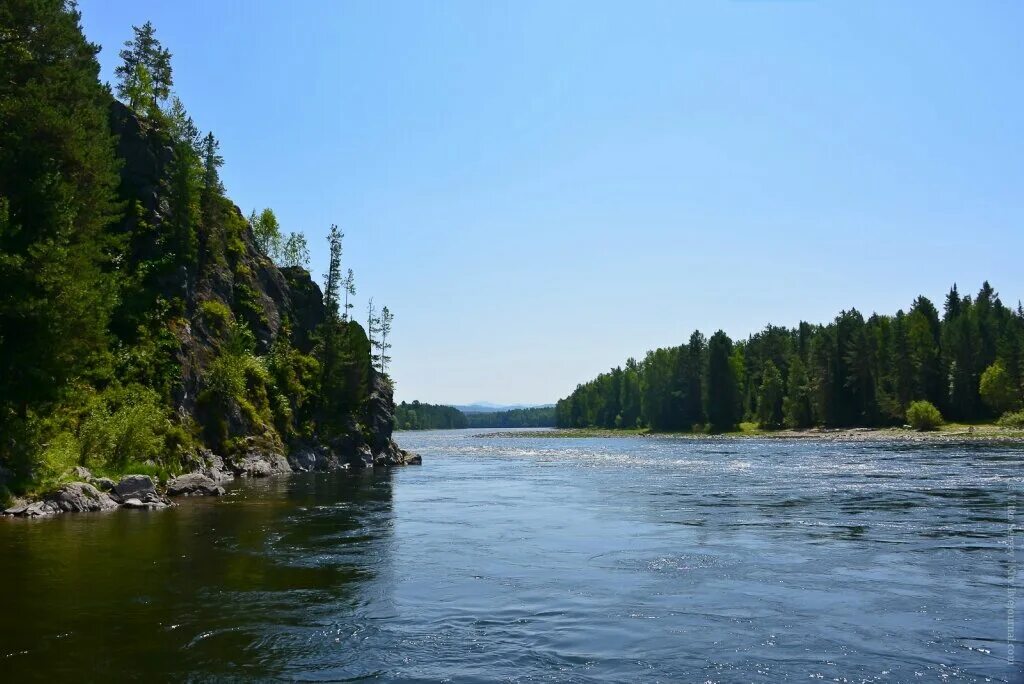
(545,559)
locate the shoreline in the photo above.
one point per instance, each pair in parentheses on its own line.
(954,433)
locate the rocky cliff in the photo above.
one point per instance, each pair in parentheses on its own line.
(233,343)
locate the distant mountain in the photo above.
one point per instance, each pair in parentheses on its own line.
(488,407)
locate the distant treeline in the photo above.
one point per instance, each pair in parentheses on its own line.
(967,361)
(417,416)
(541,416)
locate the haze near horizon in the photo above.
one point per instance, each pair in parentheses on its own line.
(539,192)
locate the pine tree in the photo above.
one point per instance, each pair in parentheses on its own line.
(721,400)
(386,318)
(212,161)
(349,287)
(144,75)
(372,328)
(693,396)
(332,279)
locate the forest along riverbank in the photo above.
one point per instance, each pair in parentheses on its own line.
(84,492)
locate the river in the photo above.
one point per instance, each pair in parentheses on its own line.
(546,559)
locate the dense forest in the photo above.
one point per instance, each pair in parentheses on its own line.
(965,363)
(537,416)
(143,318)
(417,416)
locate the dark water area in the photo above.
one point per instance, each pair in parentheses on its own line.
(506,559)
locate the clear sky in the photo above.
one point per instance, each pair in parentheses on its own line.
(539,190)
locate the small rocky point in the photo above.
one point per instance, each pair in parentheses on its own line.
(92,494)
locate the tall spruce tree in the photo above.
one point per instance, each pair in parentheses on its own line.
(721,404)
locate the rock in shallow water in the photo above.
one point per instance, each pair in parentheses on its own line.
(148,504)
(194,484)
(135,486)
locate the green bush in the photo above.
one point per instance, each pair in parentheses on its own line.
(216,315)
(57,458)
(922,415)
(1012,419)
(122,425)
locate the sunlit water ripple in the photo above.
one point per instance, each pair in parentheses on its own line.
(514,559)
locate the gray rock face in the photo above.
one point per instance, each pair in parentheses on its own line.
(146,505)
(135,487)
(313,457)
(36,509)
(104,484)
(260,464)
(79,497)
(82,473)
(360,458)
(194,484)
(216,469)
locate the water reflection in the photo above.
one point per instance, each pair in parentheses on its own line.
(221,587)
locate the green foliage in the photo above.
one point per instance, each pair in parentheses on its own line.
(267,231)
(58,177)
(770,398)
(57,459)
(123,425)
(96,290)
(722,397)
(216,315)
(144,75)
(540,416)
(852,371)
(294,251)
(998,389)
(922,415)
(1012,419)
(417,416)
(796,407)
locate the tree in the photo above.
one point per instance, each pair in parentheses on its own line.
(144,75)
(997,389)
(212,161)
(267,232)
(770,397)
(58,181)
(372,329)
(293,251)
(721,403)
(332,279)
(796,407)
(386,317)
(349,286)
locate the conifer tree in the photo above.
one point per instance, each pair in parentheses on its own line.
(144,75)
(386,317)
(332,279)
(770,397)
(721,397)
(349,287)
(796,406)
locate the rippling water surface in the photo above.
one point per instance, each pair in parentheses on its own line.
(505,558)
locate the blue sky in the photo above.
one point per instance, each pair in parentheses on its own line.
(540,190)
